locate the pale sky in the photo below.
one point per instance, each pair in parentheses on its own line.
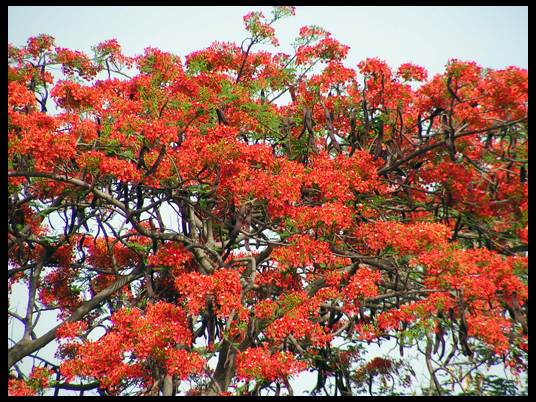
(494,37)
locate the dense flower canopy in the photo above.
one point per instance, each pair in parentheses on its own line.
(232,218)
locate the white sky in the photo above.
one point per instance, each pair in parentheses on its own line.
(494,37)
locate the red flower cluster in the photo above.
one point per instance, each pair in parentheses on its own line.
(363,284)
(173,256)
(133,346)
(37,382)
(260,365)
(223,286)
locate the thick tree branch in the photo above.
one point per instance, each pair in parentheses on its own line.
(27,346)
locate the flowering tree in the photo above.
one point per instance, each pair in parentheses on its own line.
(195,232)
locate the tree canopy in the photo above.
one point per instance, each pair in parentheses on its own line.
(219,223)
